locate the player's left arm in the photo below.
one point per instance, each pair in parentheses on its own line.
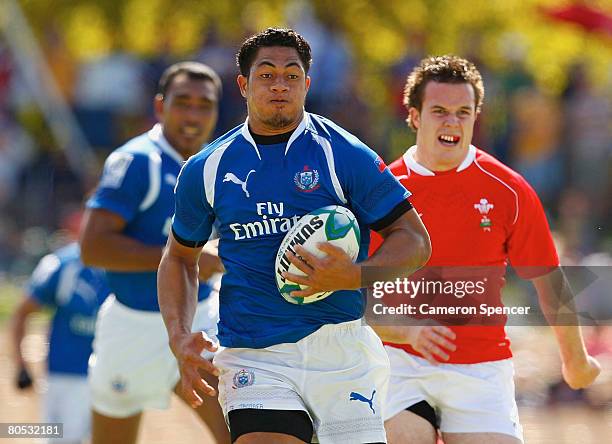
(379,201)
(533,255)
(406,246)
(557,302)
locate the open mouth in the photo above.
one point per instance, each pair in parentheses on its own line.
(190,131)
(448,140)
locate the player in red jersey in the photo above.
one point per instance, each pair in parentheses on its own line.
(478,212)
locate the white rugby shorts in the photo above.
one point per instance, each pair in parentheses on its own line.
(467,398)
(338,375)
(67,401)
(131,367)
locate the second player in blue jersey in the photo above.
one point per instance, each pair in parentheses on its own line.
(126,225)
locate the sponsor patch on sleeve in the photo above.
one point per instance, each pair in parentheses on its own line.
(380,164)
(115,168)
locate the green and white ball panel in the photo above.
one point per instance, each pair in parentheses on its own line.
(334,224)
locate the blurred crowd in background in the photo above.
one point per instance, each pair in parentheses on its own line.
(551,122)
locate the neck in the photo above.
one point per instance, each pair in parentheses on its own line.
(185,154)
(438,163)
(260,128)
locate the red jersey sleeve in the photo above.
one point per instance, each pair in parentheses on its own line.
(399,170)
(376,241)
(531,249)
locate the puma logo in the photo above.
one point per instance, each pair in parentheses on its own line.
(231,177)
(354,396)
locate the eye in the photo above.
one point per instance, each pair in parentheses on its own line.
(293,77)
(266,75)
(205,106)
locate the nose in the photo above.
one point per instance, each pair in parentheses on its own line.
(280,85)
(451,120)
(193,114)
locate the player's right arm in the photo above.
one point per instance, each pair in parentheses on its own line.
(177,280)
(177,283)
(104,245)
(433,342)
(41,290)
(117,199)
(18,329)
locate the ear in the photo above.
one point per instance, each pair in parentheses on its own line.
(158,107)
(307,83)
(242,84)
(415,117)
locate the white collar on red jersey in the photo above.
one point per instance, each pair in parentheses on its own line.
(413,165)
(156,135)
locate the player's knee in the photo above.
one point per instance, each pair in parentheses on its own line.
(410,428)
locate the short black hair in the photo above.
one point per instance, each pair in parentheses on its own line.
(442,69)
(272,37)
(194,70)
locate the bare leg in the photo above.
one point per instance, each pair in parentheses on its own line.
(479,438)
(107,430)
(210,412)
(409,428)
(268,438)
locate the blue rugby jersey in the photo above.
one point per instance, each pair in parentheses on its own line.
(254,195)
(60,281)
(138,184)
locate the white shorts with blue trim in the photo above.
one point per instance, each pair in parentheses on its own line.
(338,375)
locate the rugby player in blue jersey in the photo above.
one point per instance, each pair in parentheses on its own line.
(288,370)
(125,229)
(74,293)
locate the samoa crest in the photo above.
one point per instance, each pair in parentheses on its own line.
(243,378)
(306,180)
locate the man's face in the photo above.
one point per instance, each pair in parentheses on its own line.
(275,89)
(445,123)
(188,113)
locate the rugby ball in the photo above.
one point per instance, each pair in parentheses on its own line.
(334,224)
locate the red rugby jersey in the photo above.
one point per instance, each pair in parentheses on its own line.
(481,214)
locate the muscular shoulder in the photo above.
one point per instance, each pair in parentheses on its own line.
(340,139)
(216,148)
(347,154)
(132,156)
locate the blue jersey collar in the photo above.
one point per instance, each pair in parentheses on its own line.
(156,135)
(297,133)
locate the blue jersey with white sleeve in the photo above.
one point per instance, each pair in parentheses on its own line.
(254,194)
(75,292)
(138,184)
